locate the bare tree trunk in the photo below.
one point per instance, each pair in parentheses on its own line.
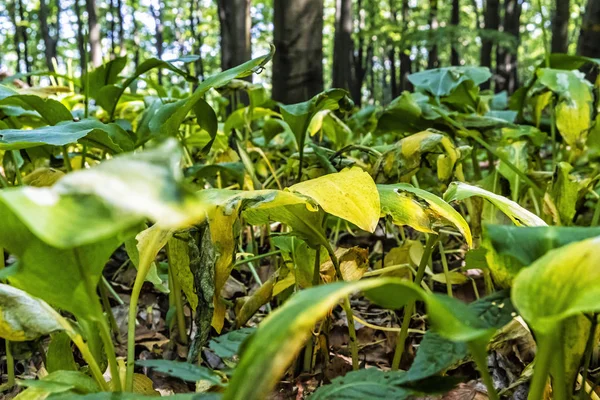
(234,17)
(343,46)
(359,61)
(50,41)
(158,34)
(455,22)
(81,45)
(298,62)
(491,22)
(589,36)
(16,36)
(121,28)
(113,28)
(197,37)
(506,56)
(395,87)
(25,40)
(560,27)
(433,60)
(405,61)
(94,33)
(136,35)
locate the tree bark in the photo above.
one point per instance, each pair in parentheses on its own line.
(343,44)
(298,61)
(50,41)
(560,27)
(25,40)
(17,35)
(506,56)
(94,33)
(121,28)
(81,45)
(405,61)
(589,36)
(395,87)
(158,34)
(234,18)
(491,22)
(136,35)
(433,60)
(455,22)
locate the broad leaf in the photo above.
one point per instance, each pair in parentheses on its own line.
(443,81)
(182,370)
(458,191)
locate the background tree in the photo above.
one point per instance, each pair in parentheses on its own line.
(343,68)
(234,18)
(46,25)
(507,54)
(589,37)
(93,33)
(560,26)
(298,37)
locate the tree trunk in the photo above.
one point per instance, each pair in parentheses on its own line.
(491,23)
(405,61)
(589,36)
(298,61)
(50,42)
(136,35)
(25,39)
(234,17)
(81,45)
(455,22)
(506,56)
(197,38)
(121,28)
(560,27)
(158,34)
(343,46)
(395,87)
(113,28)
(94,33)
(16,36)
(433,60)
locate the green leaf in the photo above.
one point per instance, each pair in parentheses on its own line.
(458,191)
(106,74)
(401,115)
(51,111)
(149,240)
(179,263)
(229,344)
(280,336)
(60,353)
(134,396)
(23,317)
(403,203)
(443,81)
(182,370)
(370,384)
(517,154)
(574,107)
(59,382)
(565,192)
(169,117)
(560,284)
(350,194)
(109,137)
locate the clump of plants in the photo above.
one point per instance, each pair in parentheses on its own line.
(269,234)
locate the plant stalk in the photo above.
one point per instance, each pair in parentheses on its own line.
(480,357)
(587,358)
(541,367)
(402,336)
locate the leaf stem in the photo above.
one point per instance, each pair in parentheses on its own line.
(402,336)
(10,365)
(587,358)
(66,159)
(17,169)
(542,366)
(478,351)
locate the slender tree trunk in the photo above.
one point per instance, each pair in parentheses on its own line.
(94,33)
(343,46)
(25,39)
(234,18)
(433,60)
(136,35)
(358,57)
(589,36)
(455,22)
(298,62)
(560,27)
(158,34)
(506,56)
(195,17)
(16,36)
(81,44)
(405,61)
(395,87)
(121,28)
(50,43)
(491,23)
(113,28)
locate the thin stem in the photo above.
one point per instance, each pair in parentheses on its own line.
(10,365)
(112,292)
(108,310)
(347,309)
(254,258)
(541,367)
(557,368)
(3,181)
(17,169)
(587,358)
(480,357)
(446,270)
(596,216)
(401,342)
(66,159)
